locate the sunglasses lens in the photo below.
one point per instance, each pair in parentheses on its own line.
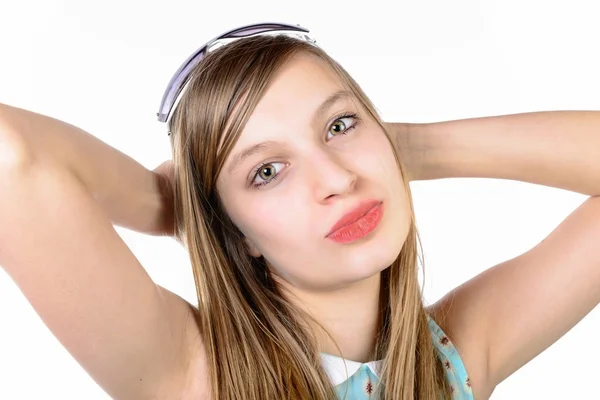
(260,28)
(176,85)
(179,79)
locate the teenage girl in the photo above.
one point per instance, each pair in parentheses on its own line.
(291,196)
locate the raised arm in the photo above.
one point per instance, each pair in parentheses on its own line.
(134,338)
(556,148)
(501,318)
(132,196)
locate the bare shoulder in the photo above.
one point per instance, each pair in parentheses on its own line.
(135,339)
(456,316)
(500,320)
(193,383)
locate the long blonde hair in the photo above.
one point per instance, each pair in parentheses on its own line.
(257,343)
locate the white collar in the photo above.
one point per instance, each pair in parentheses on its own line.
(336,367)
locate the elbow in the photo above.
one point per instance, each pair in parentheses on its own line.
(15,155)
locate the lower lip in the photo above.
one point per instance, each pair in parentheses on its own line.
(360,228)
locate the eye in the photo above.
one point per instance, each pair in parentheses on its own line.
(266,173)
(342,124)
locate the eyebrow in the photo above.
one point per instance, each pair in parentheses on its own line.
(239,158)
(250,151)
(329,102)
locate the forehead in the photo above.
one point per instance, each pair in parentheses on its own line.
(296,91)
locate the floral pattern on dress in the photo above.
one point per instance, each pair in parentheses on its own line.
(362,384)
(456,373)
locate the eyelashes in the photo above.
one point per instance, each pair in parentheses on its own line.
(264,174)
(342,128)
(262,168)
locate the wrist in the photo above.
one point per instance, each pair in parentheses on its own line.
(417,147)
(164,200)
(436,148)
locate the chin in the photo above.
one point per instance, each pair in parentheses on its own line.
(387,244)
(373,257)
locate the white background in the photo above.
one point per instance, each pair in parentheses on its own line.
(103,66)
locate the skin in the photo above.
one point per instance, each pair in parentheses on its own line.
(137,339)
(320,174)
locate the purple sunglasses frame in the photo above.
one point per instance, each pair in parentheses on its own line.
(180,78)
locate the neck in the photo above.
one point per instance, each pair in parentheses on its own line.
(350,315)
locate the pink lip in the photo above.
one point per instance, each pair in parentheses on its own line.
(354,215)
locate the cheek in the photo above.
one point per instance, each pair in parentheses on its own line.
(276,216)
(268,220)
(376,158)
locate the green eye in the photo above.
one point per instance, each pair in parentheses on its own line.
(338,127)
(267,172)
(342,125)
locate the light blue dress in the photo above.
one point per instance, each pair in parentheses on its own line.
(363,376)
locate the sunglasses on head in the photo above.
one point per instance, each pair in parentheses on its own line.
(179,80)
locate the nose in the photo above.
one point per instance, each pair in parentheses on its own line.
(332,177)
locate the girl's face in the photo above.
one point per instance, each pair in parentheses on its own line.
(308,155)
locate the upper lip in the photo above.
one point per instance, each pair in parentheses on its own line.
(354,214)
